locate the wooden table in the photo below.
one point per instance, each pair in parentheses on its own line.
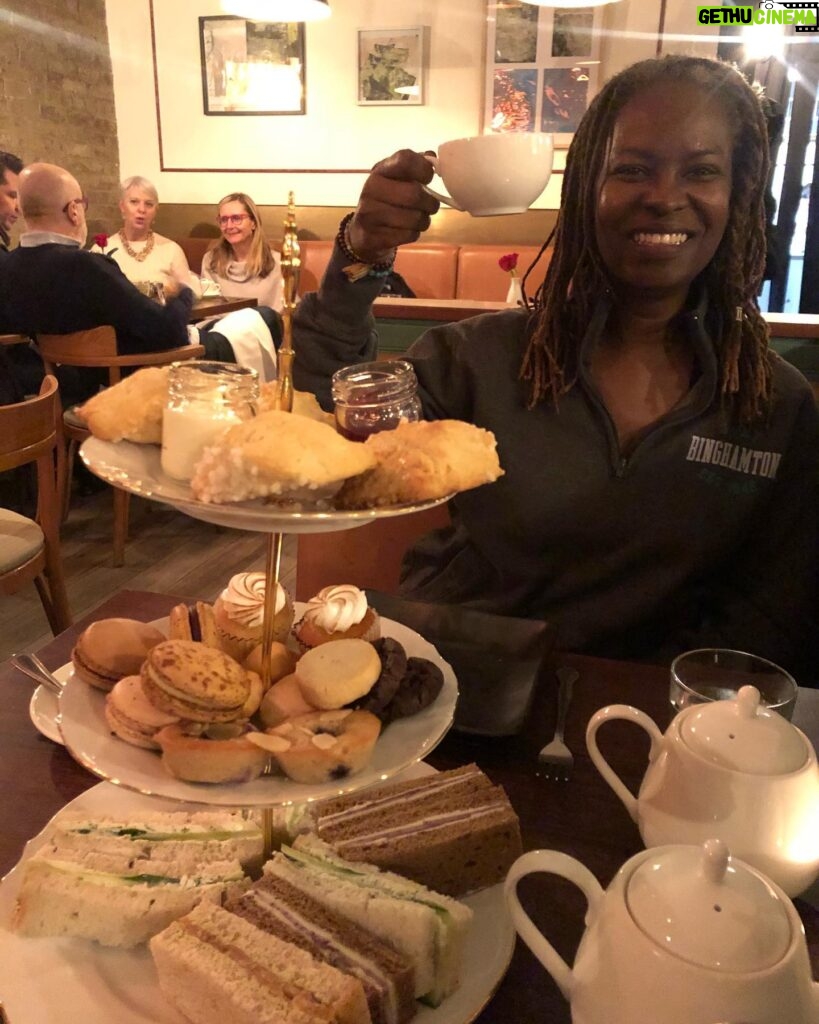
(217,305)
(581,817)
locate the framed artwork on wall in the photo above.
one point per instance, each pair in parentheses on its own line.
(542,67)
(391,66)
(251,67)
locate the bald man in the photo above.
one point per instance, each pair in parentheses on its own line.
(50,285)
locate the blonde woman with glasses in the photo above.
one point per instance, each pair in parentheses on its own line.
(241,262)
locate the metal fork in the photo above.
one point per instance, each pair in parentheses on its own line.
(556,757)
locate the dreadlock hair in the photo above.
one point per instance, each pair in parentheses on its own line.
(576,275)
(260,260)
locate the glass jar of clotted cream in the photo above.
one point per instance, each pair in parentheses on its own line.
(370,397)
(204,399)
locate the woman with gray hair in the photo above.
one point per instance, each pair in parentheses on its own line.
(143,255)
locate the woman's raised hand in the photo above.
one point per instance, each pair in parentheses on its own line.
(394,208)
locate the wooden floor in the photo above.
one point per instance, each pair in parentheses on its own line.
(167,551)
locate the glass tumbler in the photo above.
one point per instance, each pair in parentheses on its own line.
(713,673)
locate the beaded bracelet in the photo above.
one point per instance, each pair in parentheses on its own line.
(360,267)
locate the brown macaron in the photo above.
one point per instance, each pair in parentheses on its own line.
(193,622)
(110,649)
(195,682)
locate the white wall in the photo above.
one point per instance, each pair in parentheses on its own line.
(335,132)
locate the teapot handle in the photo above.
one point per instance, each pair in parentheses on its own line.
(629,714)
(554,863)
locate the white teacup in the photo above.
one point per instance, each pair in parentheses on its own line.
(487,175)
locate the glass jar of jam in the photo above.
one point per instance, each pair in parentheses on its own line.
(370,397)
(204,399)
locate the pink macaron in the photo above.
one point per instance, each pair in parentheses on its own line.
(132,717)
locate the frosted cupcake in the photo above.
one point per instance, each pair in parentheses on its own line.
(337,613)
(239,614)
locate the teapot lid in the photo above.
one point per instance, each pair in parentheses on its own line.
(743,735)
(702,907)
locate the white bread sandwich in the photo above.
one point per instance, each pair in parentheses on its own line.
(428,928)
(217,968)
(188,840)
(388,979)
(111,900)
(119,882)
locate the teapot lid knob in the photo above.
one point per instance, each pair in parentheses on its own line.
(716,858)
(748,701)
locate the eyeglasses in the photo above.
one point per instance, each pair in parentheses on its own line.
(83,200)
(232,218)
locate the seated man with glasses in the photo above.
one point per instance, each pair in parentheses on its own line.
(50,285)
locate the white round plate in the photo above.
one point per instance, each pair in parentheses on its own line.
(78,982)
(136,468)
(86,735)
(43,709)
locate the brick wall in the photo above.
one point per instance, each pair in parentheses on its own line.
(57,94)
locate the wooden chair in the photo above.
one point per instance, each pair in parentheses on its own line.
(367,556)
(30,548)
(97,347)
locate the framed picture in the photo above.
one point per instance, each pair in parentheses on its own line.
(251,67)
(391,66)
(542,67)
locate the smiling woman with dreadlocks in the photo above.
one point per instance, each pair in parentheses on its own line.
(661,463)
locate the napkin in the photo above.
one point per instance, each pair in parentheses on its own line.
(498,661)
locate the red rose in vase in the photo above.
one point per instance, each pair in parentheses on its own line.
(509,263)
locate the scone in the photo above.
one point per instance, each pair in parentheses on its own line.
(338,672)
(195,682)
(423,461)
(304,404)
(337,613)
(278,454)
(130,410)
(112,648)
(239,614)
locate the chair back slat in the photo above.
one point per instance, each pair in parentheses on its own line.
(28,430)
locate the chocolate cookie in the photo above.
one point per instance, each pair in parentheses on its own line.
(420,686)
(393,666)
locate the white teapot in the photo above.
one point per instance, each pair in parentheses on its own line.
(683,935)
(730,769)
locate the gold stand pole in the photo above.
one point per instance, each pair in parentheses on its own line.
(291,268)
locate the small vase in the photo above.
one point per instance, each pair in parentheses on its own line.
(515,294)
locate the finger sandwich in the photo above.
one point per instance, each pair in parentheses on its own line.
(428,928)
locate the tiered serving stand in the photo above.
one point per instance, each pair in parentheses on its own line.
(137,468)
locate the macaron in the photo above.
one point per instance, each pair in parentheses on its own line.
(195,682)
(193,622)
(283,700)
(338,672)
(282,660)
(132,717)
(112,648)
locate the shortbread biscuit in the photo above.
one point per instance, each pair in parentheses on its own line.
(337,673)
(130,410)
(422,461)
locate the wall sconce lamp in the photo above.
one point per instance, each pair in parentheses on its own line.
(278,10)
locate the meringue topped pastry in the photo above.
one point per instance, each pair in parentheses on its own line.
(336,613)
(238,614)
